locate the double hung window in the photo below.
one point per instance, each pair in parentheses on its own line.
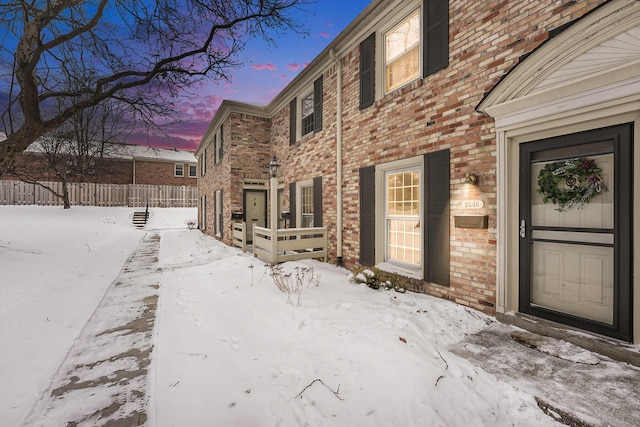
(403,216)
(307,114)
(402,52)
(307,206)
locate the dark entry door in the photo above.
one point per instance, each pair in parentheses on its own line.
(575,230)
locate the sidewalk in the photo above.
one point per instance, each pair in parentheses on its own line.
(103,379)
(570,384)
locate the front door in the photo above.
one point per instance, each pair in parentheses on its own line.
(575,230)
(255,208)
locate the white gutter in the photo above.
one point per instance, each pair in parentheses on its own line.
(338,62)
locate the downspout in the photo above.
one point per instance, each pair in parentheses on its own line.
(339,209)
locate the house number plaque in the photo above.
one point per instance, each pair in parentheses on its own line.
(472,204)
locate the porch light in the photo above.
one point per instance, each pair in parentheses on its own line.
(273,167)
(470,178)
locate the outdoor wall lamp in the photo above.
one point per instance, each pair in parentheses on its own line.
(470,178)
(273,167)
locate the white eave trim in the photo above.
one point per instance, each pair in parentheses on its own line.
(518,87)
(534,108)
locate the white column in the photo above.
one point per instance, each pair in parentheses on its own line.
(274,219)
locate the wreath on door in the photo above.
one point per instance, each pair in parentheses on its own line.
(570,183)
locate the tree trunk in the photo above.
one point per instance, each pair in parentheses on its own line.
(65,195)
(16,143)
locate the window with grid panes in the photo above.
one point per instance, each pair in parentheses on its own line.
(402,52)
(403,216)
(307,206)
(307,114)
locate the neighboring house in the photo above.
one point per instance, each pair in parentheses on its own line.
(125,164)
(418,137)
(160,166)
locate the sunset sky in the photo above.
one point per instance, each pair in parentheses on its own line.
(266,71)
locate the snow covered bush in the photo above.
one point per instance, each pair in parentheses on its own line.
(376,279)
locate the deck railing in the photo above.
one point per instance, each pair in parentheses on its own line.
(239,236)
(292,244)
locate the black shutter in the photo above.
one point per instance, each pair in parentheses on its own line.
(317,104)
(317,201)
(436,36)
(367,71)
(221,141)
(436,201)
(215,148)
(221,211)
(367,216)
(292,205)
(292,121)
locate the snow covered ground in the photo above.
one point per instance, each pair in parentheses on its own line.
(230,350)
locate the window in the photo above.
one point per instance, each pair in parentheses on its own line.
(305,203)
(307,114)
(404,217)
(402,222)
(193,171)
(402,52)
(179,169)
(307,206)
(415,46)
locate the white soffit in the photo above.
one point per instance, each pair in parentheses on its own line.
(595,60)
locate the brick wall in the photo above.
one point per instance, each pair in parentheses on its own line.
(111,171)
(486,39)
(162,173)
(246,152)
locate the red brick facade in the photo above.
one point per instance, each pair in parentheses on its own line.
(149,167)
(162,172)
(486,40)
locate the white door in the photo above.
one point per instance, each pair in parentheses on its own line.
(255,208)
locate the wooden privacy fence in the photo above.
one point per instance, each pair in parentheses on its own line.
(92,194)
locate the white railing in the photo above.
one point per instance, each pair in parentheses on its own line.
(92,194)
(292,244)
(239,236)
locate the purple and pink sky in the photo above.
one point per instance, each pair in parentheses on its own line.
(266,71)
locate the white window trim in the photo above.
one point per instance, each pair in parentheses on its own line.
(195,171)
(381,74)
(299,186)
(175,170)
(380,217)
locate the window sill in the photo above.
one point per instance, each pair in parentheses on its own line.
(402,270)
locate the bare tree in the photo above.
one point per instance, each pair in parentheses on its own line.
(138,52)
(79,150)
